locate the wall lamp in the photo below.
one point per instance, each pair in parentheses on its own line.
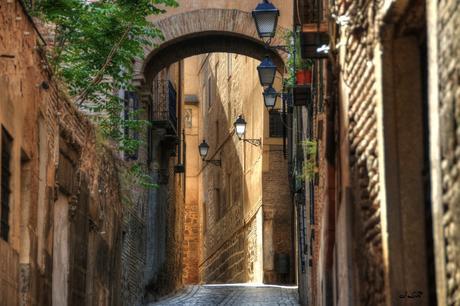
(266,18)
(204,150)
(271,95)
(240,130)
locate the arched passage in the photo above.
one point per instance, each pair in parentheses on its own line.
(212,31)
(203,31)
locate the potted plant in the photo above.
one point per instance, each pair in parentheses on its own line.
(300,70)
(303,66)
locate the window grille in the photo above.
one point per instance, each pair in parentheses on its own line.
(276,124)
(172,104)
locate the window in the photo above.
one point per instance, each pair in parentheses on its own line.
(204,100)
(229,191)
(229,65)
(276,124)
(204,217)
(150,134)
(217,133)
(218,204)
(209,92)
(131,113)
(7,143)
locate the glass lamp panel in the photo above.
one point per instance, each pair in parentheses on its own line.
(240,129)
(266,18)
(203,148)
(270,96)
(266,23)
(267,72)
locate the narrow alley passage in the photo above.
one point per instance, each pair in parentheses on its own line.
(244,152)
(235,294)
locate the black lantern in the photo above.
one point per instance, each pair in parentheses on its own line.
(270,96)
(203,148)
(240,127)
(267,72)
(240,130)
(266,18)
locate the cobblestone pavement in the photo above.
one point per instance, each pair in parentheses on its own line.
(237,294)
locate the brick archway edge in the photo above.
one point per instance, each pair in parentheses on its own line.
(203,31)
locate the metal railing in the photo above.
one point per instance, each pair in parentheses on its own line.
(164,107)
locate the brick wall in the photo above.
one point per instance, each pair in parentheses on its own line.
(360,78)
(88,175)
(448,67)
(276,199)
(9,276)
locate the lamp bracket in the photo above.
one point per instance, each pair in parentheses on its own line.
(254,142)
(283,48)
(215,162)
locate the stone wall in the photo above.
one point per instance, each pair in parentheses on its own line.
(243,197)
(382,217)
(359,75)
(58,167)
(444,27)
(165,212)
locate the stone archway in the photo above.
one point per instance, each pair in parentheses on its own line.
(188,34)
(202,31)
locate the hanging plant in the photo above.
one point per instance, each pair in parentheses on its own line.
(299,69)
(308,170)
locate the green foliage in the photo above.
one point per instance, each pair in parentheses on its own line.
(140,177)
(94,48)
(294,63)
(309,148)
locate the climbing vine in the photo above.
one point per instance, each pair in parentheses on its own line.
(93,50)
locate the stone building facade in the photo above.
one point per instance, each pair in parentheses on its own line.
(61,211)
(164,155)
(444,96)
(242,205)
(377,220)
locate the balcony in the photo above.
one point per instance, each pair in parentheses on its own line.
(164,106)
(312,12)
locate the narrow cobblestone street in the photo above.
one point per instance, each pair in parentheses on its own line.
(216,152)
(237,294)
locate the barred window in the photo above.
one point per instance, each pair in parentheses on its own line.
(276,124)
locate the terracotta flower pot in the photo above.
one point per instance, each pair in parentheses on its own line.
(303,77)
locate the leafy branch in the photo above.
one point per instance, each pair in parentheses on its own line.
(95,44)
(308,171)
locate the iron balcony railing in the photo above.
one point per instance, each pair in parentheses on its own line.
(312,11)
(164,106)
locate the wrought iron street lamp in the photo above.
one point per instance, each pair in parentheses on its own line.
(240,130)
(267,72)
(204,149)
(266,18)
(270,97)
(240,127)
